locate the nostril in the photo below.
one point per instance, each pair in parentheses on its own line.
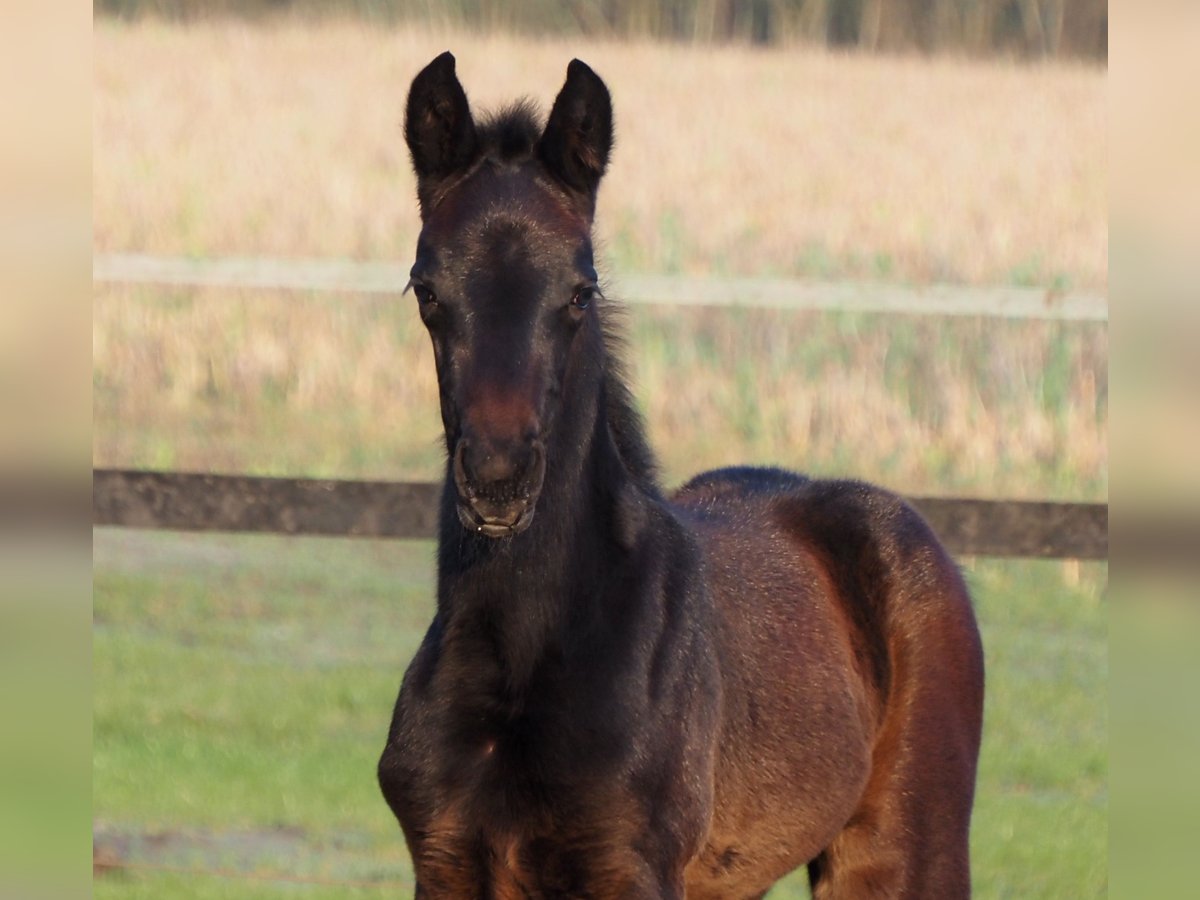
(537,461)
(460,470)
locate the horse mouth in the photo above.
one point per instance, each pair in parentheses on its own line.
(495,523)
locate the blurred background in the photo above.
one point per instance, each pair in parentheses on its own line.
(243,684)
(1071,28)
(278,136)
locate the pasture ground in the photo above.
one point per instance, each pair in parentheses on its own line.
(243,686)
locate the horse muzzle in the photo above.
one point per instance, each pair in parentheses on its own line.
(498,487)
(506,523)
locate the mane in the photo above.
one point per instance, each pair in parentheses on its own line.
(624,420)
(510,133)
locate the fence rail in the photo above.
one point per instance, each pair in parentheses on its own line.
(385,509)
(195,502)
(668,290)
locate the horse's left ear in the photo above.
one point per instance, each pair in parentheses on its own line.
(579,133)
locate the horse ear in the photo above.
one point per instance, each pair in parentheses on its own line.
(579,133)
(438,127)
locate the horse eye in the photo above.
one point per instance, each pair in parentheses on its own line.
(424,295)
(583,297)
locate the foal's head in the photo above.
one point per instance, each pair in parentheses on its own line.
(505,282)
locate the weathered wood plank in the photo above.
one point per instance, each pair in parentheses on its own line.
(1018,528)
(668,290)
(195,502)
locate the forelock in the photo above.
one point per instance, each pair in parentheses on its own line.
(510,134)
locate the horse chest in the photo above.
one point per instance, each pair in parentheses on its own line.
(529,799)
(466,740)
(515,865)
(504,816)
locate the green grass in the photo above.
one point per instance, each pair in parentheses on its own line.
(243,687)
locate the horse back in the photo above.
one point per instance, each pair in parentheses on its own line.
(841,543)
(842,620)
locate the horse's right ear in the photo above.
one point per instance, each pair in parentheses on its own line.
(438,127)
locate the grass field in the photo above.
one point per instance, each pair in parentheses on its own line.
(243,687)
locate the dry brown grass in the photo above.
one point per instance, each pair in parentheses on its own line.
(235,139)
(231,139)
(344,386)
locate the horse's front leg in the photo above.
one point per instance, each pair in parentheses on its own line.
(655,884)
(650,890)
(439,887)
(447,870)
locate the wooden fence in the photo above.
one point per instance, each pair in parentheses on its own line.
(387,509)
(662,290)
(200,502)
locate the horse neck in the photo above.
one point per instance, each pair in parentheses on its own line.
(526,592)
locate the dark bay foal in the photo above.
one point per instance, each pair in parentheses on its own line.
(627,695)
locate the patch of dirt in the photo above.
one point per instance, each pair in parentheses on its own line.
(113,848)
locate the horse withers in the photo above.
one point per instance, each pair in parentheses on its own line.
(624,694)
